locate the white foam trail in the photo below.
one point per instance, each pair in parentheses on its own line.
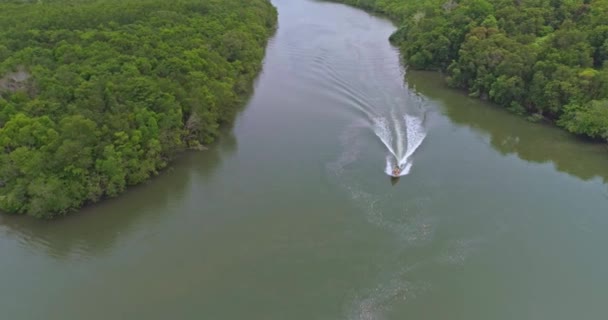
(383,132)
(406,169)
(415,136)
(407,141)
(399,134)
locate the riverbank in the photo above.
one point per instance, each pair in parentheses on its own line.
(117,89)
(538,61)
(294,200)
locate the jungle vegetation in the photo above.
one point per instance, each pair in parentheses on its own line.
(97,95)
(547,59)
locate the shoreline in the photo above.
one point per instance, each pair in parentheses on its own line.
(527,115)
(237,93)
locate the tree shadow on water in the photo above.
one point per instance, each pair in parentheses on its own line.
(100,227)
(512,134)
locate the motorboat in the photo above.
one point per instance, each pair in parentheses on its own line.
(396,172)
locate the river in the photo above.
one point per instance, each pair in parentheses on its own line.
(292,216)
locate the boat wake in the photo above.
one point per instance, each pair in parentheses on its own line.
(401,138)
(374,92)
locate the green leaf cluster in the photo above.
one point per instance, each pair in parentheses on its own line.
(97,95)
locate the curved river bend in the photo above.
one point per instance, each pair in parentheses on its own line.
(291,215)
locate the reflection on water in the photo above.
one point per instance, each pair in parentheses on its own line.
(99,227)
(291,216)
(511,134)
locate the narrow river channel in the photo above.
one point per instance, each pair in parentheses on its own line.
(292,215)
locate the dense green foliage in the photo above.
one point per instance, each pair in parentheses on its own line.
(96,95)
(547,58)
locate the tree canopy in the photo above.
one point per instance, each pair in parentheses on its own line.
(96,95)
(548,58)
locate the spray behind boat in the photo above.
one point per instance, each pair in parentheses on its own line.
(402,136)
